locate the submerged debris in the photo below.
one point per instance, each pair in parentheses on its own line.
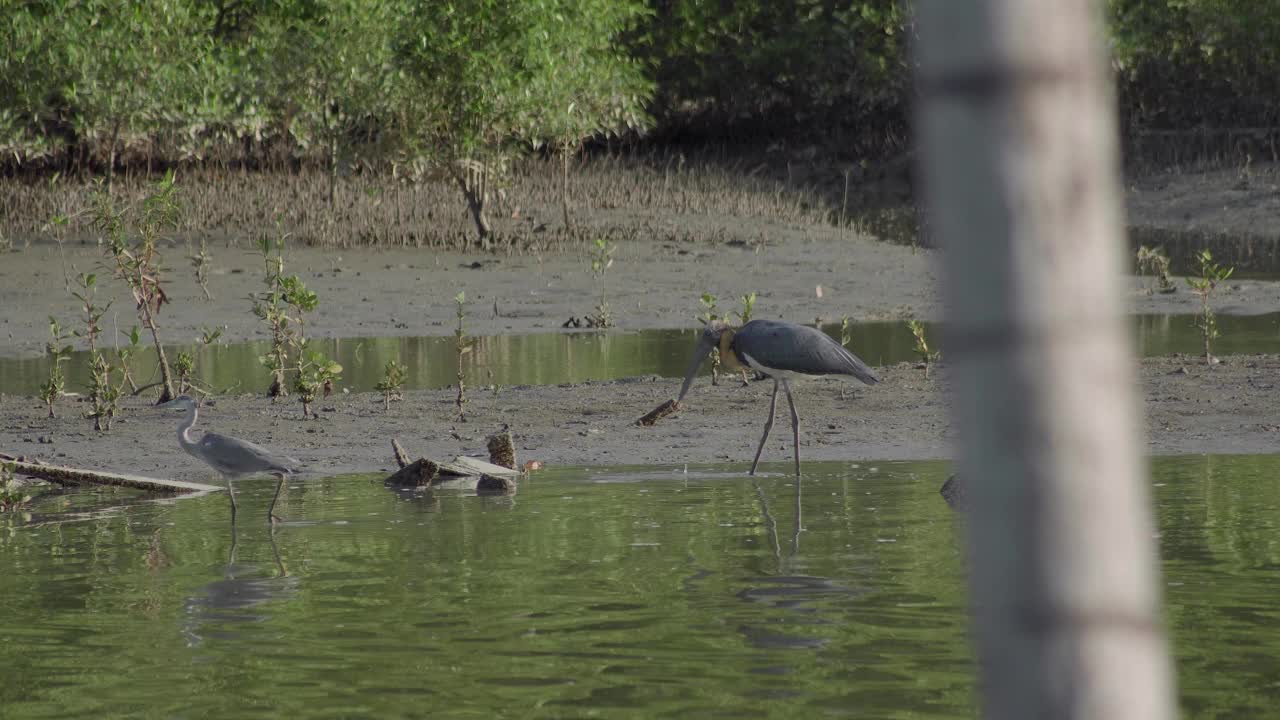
(493,485)
(953,491)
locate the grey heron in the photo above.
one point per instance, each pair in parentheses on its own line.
(781,350)
(231,457)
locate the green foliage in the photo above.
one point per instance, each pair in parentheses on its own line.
(805,63)
(1153,261)
(393,377)
(462,86)
(1211,274)
(11,496)
(1190,63)
(58,352)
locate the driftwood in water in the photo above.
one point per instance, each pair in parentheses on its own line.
(502,450)
(419,473)
(402,457)
(80,476)
(658,413)
(424,472)
(464,466)
(493,485)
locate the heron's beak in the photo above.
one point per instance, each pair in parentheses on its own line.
(700,353)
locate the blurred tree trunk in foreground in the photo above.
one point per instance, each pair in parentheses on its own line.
(1018,134)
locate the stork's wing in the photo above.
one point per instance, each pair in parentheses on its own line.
(236,456)
(799,349)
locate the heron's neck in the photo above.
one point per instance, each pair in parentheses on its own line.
(184,429)
(728,358)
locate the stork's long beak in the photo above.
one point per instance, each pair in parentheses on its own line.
(700,353)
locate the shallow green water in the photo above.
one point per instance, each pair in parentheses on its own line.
(618,592)
(554,358)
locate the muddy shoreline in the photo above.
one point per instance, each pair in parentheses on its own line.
(802,271)
(1189,408)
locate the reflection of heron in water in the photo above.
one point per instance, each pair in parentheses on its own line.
(242,588)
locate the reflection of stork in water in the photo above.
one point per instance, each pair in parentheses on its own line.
(231,457)
(242,588)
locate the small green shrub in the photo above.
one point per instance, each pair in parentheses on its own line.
(1211,275)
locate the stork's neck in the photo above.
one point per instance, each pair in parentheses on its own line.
(728,358)
(184,429)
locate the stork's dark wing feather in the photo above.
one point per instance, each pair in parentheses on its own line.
(800,349)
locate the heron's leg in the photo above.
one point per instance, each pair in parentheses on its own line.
(231,493)
(795,424)
(768,425)
(271,511)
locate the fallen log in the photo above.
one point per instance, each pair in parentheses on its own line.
(658,413)
(79,476)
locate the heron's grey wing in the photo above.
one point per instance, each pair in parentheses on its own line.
(799,349)
(241,457)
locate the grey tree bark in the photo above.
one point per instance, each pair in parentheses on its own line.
(1017,130)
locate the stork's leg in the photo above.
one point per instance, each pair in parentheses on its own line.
(271,511)
(795,424)
(768,425)
(231,493)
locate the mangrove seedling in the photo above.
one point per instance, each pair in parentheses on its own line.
(927,356)
(269,306)
(461,346)
(137,261)
(184,366)
(103,393)
(393,376)
(748,306)
(200,262)
(601,261)
(846,337)
(1152,261)
(709,313)
(1211,274)
(317,375)
(58,352)
(126,355)
(313,371)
